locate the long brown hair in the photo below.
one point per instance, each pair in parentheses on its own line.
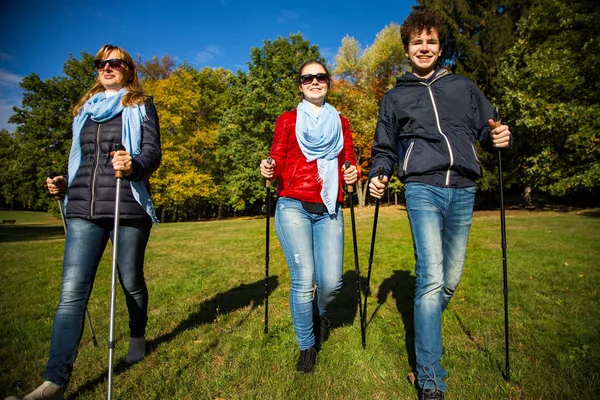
(135,93)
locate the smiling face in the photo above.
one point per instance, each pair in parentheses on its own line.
(314,92)
(424,49)
(113,79)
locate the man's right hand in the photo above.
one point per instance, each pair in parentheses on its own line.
(56,185)
(377,187)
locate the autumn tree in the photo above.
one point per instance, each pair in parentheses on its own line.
(156,68)
(190,104)
(362,78)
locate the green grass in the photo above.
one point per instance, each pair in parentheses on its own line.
(205,330)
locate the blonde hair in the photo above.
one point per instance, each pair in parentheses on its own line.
(135,93)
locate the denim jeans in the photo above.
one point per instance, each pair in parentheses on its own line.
(440,220)
(85,243)
(313,245)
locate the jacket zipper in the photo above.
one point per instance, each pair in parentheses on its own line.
(95,170)
(405,165)
(437,121)
(475,152)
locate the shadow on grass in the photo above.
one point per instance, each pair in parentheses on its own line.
(342,310)
(21,233)
(591,213)
(480,348)
(402,287)
(208,312)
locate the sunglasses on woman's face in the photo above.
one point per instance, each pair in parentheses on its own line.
(113,63)
(308,78)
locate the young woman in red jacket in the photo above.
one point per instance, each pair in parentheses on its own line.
(310,148)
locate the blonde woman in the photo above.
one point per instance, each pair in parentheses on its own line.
(114,111)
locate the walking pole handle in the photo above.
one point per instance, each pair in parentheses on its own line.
(381,173)
(118,147)
(53,174)
(350,187)
(268,181)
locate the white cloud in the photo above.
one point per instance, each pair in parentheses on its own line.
(5,57)
(8,79)
(10,96)
(208,54)
(288,15)
(6,110)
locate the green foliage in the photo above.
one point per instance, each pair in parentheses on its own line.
(246,130)
(551,97)
(42,139)
(190,104)
(480,32)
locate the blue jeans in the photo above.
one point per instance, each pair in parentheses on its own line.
(313,245)
(84,246)
(440,220)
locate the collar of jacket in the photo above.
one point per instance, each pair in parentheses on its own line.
(412,79)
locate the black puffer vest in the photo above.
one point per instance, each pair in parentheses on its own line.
(92,193)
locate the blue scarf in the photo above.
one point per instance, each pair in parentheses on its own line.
(101,109)
(320,138)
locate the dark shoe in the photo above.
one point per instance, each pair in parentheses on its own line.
(431,394)
(320,329)
(307,360)
(324,333)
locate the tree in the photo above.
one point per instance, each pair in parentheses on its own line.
(190,104)
(259,97)
(155,69)
(480,33)
(551,97)
(42,139)
(363,77)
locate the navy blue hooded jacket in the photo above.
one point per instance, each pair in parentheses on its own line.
(429,127)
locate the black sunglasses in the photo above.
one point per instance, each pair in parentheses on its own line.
(308,78)
(114,63)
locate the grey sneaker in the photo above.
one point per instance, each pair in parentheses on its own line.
(137,350)
(46,391)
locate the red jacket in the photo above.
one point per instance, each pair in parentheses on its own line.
(296,177)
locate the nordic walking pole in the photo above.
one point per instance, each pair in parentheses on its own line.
(380,172)
(113,293)
(504,266)
(268,201)
(59,200)
(363,336)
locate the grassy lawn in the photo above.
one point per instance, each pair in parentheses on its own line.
(205,330)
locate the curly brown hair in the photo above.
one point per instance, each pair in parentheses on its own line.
(423,20)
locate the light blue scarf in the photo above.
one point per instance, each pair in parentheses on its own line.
(101,109)
(320,138)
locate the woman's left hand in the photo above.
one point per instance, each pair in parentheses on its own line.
(122,161)
(350,175)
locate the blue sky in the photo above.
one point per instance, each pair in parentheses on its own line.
(38,36)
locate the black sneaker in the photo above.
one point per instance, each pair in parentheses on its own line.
(307,360)
(324,333)
(317,329)
(431,394)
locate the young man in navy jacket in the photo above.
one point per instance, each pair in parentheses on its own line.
(428,125)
